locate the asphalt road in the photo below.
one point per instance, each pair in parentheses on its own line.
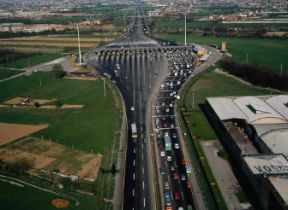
(136,75)
(139,74)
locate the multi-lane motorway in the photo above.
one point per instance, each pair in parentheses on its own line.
(156,176)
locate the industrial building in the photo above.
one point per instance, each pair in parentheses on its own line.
(254,131)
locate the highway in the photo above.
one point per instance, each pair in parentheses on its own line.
(137,76)
(149,77)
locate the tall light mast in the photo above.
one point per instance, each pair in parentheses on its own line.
(185,30)
(80,55)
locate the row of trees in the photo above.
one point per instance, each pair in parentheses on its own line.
(256,74)
(10,55)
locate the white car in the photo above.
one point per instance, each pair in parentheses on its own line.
(176,146)
(169,158)
(162,153)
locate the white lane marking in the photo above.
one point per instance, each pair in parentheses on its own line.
(133,192)
(144,202)
(133,162)
(143,185)
(142,156)
(143,170)
(133,176)
(134,151)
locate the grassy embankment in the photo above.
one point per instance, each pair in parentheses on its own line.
(92,128)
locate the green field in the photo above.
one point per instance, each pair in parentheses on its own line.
(270,52)
(214,84)
(15,197)
(30,61)
(93,128)
(171,22)
(5,73)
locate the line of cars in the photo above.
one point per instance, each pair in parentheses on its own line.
(173,167)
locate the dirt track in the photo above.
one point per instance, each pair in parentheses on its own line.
(19,100)
(10,132)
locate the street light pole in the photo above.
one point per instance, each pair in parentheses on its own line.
(104,87)
(185,29)
(80,56)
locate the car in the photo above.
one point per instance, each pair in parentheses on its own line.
(176,146)
(145,141)
(175,176)
(172,125)
(168,208)
(174,135)
(169,158)
(177,196)
(183,177)
(162,170)
(189,168)
(183,161)
(162,153)
(180,208)
(166,185)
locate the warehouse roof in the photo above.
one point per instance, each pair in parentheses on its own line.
(225,108)
(280,183)
(279,103)
(254,110)
(267,164)
(257,111)
(277,141)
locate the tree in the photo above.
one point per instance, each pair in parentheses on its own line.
(58,71)
(113,169)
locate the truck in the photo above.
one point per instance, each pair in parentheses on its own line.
(134,130)
(167,141)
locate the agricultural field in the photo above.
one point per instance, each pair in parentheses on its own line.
(177,23)
(271,52)
(90,130)
(45,48)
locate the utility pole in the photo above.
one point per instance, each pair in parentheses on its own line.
(185,29)
(80,56)
(104,87)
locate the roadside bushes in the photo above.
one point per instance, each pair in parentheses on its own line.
(8,55)
(256,74)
